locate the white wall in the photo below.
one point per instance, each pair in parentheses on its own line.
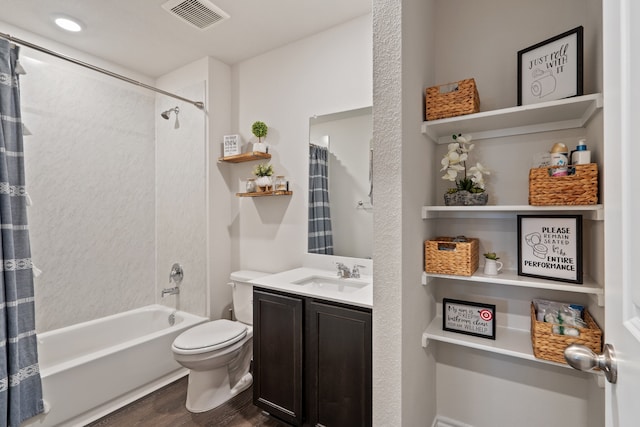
(325,73)
(404,390)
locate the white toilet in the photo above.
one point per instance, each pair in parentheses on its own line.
(218,353)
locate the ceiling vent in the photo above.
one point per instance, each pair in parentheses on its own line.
(201,14)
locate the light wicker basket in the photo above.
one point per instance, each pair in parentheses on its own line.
(549,346)
(580,188)
(452,99)
(444,256)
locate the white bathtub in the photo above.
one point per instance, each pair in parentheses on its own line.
(91,369)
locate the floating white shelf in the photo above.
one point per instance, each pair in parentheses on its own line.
(592,212)
(510,342)
(511,278)
(567,113)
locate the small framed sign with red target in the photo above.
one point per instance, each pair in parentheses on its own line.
(470,318)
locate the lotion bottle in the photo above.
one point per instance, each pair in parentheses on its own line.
(581,156)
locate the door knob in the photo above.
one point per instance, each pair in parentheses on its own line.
(583,358)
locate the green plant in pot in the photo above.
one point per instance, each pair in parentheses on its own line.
(263,173)
(491,255)
(469,189)
(259,129)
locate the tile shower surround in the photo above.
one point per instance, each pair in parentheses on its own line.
(91,166)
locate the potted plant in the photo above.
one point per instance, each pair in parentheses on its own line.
(469,189)
(259,129)
(263,173)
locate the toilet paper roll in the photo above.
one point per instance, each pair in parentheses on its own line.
(543,86)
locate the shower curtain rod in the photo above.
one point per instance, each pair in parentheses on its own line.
(16,40)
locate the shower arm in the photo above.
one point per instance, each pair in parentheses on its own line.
(16,40)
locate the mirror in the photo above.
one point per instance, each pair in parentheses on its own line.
(343,143)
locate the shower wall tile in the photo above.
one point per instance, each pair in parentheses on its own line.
(90,173)
(180,200)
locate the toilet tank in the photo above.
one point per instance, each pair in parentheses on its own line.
(243,294)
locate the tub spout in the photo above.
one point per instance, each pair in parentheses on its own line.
(170,291)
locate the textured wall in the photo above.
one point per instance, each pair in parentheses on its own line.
(387,219)
(90,173)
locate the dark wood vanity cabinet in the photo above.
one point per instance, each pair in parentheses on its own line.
(277,355)
(311,360)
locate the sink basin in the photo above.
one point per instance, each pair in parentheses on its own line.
(333,284)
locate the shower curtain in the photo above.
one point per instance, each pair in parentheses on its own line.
(320,235)
(20,385)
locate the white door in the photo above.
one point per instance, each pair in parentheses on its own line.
(622,206)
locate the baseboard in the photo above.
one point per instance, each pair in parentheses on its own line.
(440,421)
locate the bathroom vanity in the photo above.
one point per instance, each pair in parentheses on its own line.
(312,348)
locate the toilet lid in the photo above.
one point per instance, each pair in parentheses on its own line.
(211,335)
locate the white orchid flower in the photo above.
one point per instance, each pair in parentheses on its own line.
(479,168)
(451,175)
(465,139)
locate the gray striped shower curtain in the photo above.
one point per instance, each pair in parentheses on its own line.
(320,234)
(20,384)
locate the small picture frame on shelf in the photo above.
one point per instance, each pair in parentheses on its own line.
(469,318)
(551,69)
(550,247)
(231,145)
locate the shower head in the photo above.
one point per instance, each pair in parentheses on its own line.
(165,115)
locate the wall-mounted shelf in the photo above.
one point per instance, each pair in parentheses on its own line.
(265,194)
(562,114)
(510,342)
(245,157)
(592,212)
(511,278)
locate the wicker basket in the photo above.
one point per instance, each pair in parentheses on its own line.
(580,188)
(452,99)
(549,346)
(444,256)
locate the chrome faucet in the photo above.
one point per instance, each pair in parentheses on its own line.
(170,291)
(343,271)
(176,275)
(355,271)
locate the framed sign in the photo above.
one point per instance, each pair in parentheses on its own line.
(231,145)
(551,69)
(550,247)
(469,318)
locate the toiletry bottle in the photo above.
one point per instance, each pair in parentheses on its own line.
(581,156)
(560,159)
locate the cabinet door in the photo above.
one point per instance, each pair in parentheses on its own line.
(277,355)
(338,376)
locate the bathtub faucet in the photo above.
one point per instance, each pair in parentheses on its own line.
(170,291)
(176,274)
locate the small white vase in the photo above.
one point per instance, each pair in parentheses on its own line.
(263,182)
(492,267)
(260,147)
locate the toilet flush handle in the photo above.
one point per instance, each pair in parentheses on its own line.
(232,284)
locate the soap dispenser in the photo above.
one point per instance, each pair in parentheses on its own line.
(581,156)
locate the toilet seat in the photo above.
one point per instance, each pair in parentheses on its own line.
(210,336)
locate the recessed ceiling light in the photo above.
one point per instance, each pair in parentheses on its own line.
(67,23)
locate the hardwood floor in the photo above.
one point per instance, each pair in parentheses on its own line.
(165,408)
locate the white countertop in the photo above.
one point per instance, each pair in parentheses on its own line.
(285,281)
